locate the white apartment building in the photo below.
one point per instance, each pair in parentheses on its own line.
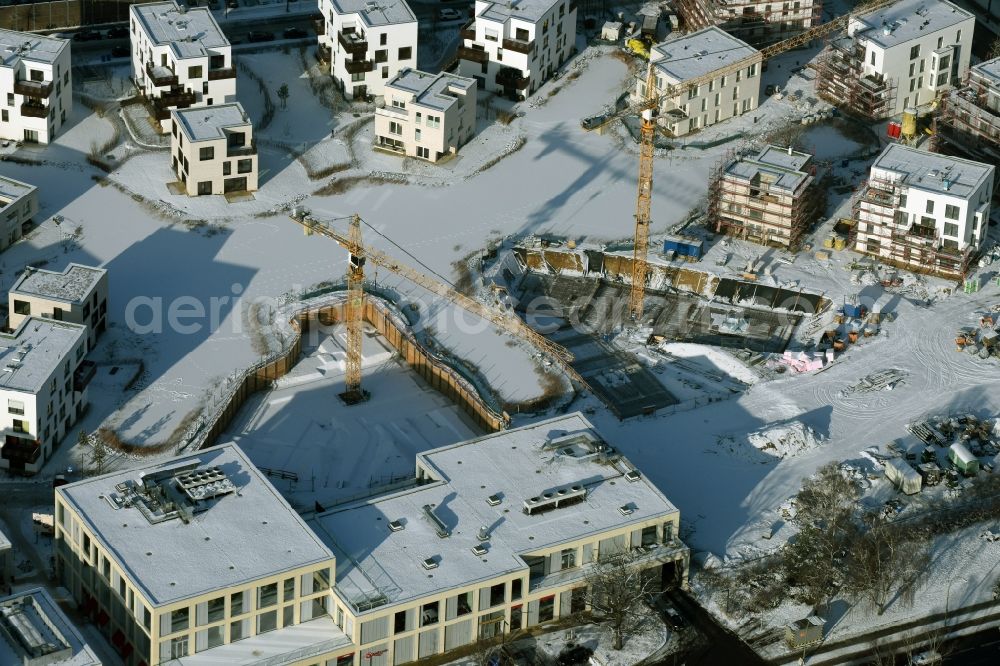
(43,389)
(426,115)
(924,211)
(367,43)
(679,60)
(18,204)
(512,48)
(758,22)
(78,294)
(36,86)
(197,561)
(180,58)
(969,118)
(35,632)
(212,150)
(901,56)
(497,535)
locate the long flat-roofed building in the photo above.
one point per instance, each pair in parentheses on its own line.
(43,389)
(213,151)
(197,561)
(35,632)
(426,115)
(924,211)
(180,58)
(368,43)
(497,534)
(18,205)
(677,61)
(36,86)
(78,294)
(768,196)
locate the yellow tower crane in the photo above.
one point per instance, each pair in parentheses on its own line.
(353,313)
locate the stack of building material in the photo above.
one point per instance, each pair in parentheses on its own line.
(806,361)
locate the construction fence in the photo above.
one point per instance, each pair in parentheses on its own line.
(262,376)
(63,14)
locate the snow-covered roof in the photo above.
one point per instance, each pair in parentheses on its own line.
(934,172)
(228,540)
(431,90)
(699,53)
(289,645)
(561,456)
(188,31)
(30,355)
(782,165)
(16,46)
(11,190)
(376,12)
(33,628)
(989,70)
(962,452)
(902,467)
(527,10)
(73,285)
(206,123)
(909,19)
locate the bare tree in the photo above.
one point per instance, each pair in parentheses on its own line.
(617,589)
(98,451)
(283,95)
(883,561)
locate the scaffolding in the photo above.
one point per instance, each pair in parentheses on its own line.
(754,210)
(966,121)
(883,231)
(756,23)
(841,80)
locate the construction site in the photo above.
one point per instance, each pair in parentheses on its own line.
(756,23)
(769,196)
(968,119)
(841,80)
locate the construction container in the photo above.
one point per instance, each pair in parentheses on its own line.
(852,336)
(822,256)
(855,310)
(805,632)
(908,128)
(894,130)
(828,242)
(901,475)
(962,459)
(839,345)
(684,247)
(930,473)
(839,243)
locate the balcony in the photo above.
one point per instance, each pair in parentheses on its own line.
(646,556)
(475,55)
(83,374)
(519,45)
(242,151)
(40,89)
(20,449)
(172,99)
(359,66)
(922,231)
(224,73)
(508,77)
(352,42)
(469,31)
(34,110)
(160,76)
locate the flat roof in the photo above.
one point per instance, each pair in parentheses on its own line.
(188,31)
(516,466)
(527,10)
(376,12)
(72,285)
(289,645)
(39,623)
(909,19)
(204,123)
(11,190)
(233,539)
(990,70)
(699,53)
(784,167)
(29,355)
(16,46)
(431,90)
(942,174)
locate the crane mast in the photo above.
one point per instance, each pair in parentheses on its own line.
(644,199)
(353,311)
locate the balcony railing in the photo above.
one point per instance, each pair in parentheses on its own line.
(468,31)
(519,45)
(29,110)
(173,99)
(41,89)
(224,73)
(923,231)
(475,55)
(20,447)
(645,556)
(83,374)
(352,42)
(157,76)
(359,66)
(242,151)
(509,77)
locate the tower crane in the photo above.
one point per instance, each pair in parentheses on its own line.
(359,255)
(647,109)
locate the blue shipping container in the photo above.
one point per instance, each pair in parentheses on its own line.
(683,246)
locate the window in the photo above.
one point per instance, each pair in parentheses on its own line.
(958,36)
(194,72)
(244,166)
(399,104)
(267,621)
(405,52)
(288,615)
(940,41)
(19,426)
(216,609)
(951,229)
(357,76)
(930,206)
(915,52)
(288,591)
(429,614)
(568,557)
(872,59)
(926,221)
(902,201)
(205,187)
(942,79)
(434,121)
(399,623)
(546,608)
(515,589)
(385,72)
(912,66)
(179,620)
(416,134)
(395,128)
(22,307)
(206,153)
(944,62)
(15,407)
(239,630)
(382,55)
(267,595)
(382,38)
(210,638)
(498,594)
(227,168)
(237,603)
(4,116)
(178,647)
(649,535)
(951,212)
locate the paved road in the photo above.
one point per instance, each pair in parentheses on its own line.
(722,645)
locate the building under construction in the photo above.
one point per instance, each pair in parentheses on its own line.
(767,196)
(842,81)
(757,23)
(968,120)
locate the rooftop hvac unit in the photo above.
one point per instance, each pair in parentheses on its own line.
(430,563)
(442,529)
(493,500)
(555,499)
(480,549)
(626,510)
(396,526)
(632,475)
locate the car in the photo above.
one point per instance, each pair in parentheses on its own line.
(86,36)
(118,32)
(449,14)
(594,122)
(294,33)
(120,52)
(260,36)
(673,619)
(59,480)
